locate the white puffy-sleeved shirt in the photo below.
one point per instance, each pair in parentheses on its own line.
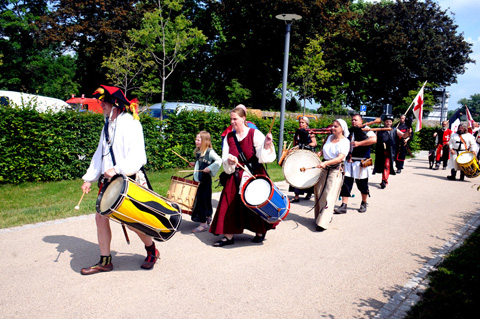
(332,150)
(126,136)
(263,155)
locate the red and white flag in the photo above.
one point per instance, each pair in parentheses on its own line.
(469,120)
(418,108)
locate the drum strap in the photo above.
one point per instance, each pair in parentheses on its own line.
(463,141)
(253,163)
(107,138)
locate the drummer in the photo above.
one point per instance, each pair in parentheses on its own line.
(121,150)
(335,150)
(249,148)
(306,141)
(460,141)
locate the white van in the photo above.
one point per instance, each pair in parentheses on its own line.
(38,102)
(156,109)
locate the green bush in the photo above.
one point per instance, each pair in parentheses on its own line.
(46,146)
(58,146)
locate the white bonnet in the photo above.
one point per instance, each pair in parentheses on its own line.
(344,126)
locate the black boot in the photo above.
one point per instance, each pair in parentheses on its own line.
(341,210)
(462,176)
(363,207)
(453,176)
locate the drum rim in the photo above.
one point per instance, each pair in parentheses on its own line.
(248,181)
(118,201)
(465,152)
(187,181)
(286,178)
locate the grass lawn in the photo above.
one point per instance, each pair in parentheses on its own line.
(30,203)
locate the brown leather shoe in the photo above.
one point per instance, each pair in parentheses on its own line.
(150,260)
(96,269)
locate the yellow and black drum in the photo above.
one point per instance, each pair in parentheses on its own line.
(468,164)
(125,201)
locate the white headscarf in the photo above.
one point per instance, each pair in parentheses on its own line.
(344,126)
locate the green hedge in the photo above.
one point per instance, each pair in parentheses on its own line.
(56,146)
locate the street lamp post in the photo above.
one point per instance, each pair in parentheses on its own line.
(288,18)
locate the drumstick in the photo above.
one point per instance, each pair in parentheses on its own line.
(125,233)
(180,156)
(303,169)
(196,170)
(242,167)
(78,206)
(273,121)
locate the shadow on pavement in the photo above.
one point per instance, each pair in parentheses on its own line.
(84,254)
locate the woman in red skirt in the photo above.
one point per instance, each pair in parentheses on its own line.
(232,216)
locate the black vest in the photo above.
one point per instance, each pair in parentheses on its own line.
(359,135)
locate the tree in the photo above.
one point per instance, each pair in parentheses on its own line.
(52,75)
(91,29)
(473,104)
(169,37)
(127,64)
(403,43)
(312,72)
(237,93)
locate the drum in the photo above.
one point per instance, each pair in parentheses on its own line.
(125,201)
(468,164)
(285,152)
(265,199)
(183,192)
(298,170)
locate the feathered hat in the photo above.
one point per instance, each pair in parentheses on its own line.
(116,97)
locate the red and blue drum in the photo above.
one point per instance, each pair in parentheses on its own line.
(265,199)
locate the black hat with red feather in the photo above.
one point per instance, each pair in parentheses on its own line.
(117,98)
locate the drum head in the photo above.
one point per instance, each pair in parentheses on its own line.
(111,195)
(294,165)
(464,158)
(257,191)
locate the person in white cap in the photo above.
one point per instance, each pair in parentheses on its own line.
(335,150)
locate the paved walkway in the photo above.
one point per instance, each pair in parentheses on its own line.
(364,266)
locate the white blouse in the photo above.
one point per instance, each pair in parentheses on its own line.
(332,150)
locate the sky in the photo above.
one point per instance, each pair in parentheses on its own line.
(466,16)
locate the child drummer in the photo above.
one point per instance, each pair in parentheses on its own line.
(207,163)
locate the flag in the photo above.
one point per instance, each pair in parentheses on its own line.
(455,120)
(469,120)
(418,109)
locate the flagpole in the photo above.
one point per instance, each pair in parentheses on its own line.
(414,99)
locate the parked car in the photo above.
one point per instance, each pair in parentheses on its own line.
(156,109)
(40,103)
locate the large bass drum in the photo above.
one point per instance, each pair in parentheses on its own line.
(298,170)
(125,201)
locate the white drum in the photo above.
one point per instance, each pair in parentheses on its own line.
(298,169)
